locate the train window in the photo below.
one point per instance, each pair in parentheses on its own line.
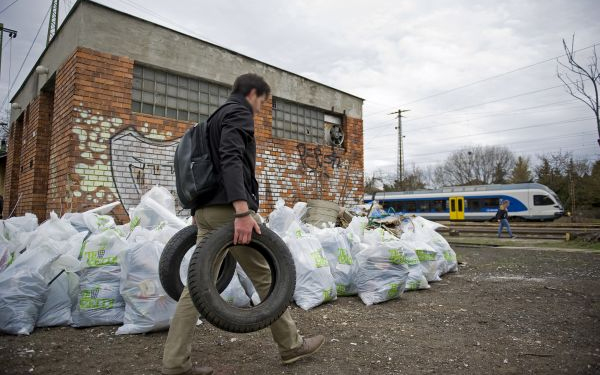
(438,205)
(411,206)
(542,200)
(474,205)
(491,203)
(423,206)
(460,205)
(452,205)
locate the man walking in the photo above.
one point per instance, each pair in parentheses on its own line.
(233,151)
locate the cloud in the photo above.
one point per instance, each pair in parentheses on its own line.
(394,52)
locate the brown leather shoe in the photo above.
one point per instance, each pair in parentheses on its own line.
(199,371)
(309,346)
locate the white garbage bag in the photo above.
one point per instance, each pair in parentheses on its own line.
(90,221)
(281,218)
(416,273)
(341,262)
(24,288)
(425,231)
(15,235)
(53,228)
(432,261)
(355,232)
(64,285)
(155,207)
(314,283)
(439,243)
(162,233)
(147,306)
(235,294)
(247,285)
(382,268)
(62,297)
(99,301)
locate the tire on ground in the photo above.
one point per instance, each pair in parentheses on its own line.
(172,256)
(214,308)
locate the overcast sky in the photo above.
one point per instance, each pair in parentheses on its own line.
(393,53)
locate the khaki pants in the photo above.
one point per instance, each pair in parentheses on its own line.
(178,348)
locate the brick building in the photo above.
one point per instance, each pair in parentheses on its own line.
(98,119)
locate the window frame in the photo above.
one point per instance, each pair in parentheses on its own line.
(299,122)
(177,96)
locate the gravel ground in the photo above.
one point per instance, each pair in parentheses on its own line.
(506,311)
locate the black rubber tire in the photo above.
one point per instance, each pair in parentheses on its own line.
(172,256)
(215,309)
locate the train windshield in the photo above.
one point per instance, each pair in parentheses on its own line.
(556,199)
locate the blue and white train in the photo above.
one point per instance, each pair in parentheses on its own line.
(529,201)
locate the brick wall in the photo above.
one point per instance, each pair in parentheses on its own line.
(27,164)
(100,151)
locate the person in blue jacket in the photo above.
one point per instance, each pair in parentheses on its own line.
(502,217)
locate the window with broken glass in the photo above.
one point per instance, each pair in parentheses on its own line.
(161,93)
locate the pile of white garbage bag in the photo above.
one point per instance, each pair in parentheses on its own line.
(373,263)
(82,269)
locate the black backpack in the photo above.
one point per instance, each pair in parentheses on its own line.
(195,175)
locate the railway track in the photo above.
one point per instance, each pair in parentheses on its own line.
(556,231)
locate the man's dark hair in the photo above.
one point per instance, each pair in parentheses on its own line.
(246,82)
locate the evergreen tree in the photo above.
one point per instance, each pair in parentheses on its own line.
(521,172)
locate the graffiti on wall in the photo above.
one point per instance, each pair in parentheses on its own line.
(138,163)
(314,160)
(118,163)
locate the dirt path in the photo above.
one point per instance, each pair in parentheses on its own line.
(506,311)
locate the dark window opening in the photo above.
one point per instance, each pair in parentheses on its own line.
(542,200)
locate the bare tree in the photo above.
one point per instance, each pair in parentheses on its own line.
(576,75)
(475,165)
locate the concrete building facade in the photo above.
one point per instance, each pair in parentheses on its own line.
(99,117)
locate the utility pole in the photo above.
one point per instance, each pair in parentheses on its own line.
(11,34)
(53,22)
(400,156)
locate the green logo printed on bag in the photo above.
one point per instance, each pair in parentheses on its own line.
(327,294)
(96,258)
(340,289)
(396,257)
(134,222)
(90,301)
(412,285)
(343,257)
(102,223)
(449,256)
(299,233)
(412,260)
(394,290)
(319,259)
(425,255)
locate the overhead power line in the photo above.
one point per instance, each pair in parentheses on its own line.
(520,128)
(556,106)
(537,141)
(482,80)
(11,85)
(8,6)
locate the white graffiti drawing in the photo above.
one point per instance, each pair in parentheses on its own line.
(138,163)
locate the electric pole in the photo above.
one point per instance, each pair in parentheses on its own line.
(11,34)
(400,156)
(53,22)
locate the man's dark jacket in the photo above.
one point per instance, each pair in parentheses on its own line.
(233,151)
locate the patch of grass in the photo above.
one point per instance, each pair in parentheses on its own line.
(525,242)
(576,244)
